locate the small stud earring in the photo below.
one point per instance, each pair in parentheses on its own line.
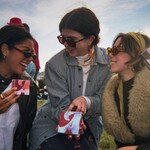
(4,57)
(131,67)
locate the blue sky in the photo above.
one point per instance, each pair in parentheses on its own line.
(43,17)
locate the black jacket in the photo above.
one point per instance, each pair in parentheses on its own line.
(28,108)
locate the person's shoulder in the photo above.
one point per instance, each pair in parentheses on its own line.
(26,76)
(101,50)
(113,81)
(57,64)
(102,56)
(58,58)
(143,74)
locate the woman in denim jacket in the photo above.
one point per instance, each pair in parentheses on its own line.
(75,78)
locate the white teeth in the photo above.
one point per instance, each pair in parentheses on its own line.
(25,65)
(112,62)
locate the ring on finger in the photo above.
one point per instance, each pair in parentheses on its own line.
(74,104)
(1,96)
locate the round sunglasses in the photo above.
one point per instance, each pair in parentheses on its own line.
(114,50)
(27,54)
(70,41)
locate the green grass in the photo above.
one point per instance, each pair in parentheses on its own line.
(106,141)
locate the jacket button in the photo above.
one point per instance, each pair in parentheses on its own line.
(79,86)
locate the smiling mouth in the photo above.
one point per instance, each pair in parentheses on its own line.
(112,62)
(24,64)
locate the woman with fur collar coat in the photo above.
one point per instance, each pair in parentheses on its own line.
(126,98)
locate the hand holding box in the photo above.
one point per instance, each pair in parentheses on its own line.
(23,86)
(70,122)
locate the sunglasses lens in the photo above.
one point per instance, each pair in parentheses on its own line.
(109,50)
(71,42)
(61,39)
(28,55)
(114,51)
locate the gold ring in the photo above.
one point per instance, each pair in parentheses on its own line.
(1,96)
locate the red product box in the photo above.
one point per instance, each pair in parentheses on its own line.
(23,86)
(70,122)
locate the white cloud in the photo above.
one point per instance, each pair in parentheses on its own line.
(44,16)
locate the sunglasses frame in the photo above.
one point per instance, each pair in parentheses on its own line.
(70,41)
(26,54)
(114,50)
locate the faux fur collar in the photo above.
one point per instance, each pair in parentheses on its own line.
(139,109)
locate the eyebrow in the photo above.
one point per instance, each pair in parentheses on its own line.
(68,36)
(27,48)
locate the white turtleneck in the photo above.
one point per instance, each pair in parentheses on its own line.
(86,68)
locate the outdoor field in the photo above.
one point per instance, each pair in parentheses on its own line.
(106,142)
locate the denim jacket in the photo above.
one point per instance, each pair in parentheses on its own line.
(64,81)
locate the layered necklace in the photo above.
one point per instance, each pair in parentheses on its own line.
(86,61)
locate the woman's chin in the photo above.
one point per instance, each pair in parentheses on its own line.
(113,70)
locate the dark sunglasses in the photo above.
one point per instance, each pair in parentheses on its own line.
(26,54)
(114,50)
(70,41)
